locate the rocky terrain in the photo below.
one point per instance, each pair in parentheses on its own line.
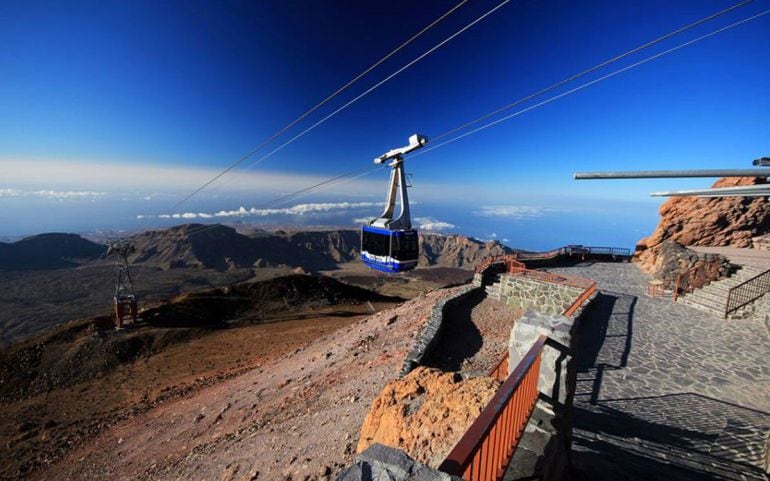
(51,278)
(717,221)
(71,383)
(237,349)
(426,413)
(292,415)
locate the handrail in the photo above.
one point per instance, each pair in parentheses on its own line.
(510,260)
(683,276)
(550,277)
(747,292)
(580,300)
(568,250)
(486,448)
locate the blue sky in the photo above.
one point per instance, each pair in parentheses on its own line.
(109,110)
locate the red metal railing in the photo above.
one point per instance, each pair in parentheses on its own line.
(580,300)
(747,292)
(500,371)
(566,251)
(552,278)
(683,284)
(486,448)
(510,260)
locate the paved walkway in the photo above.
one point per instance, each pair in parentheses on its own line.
(665,391)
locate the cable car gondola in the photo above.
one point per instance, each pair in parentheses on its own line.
(390,244)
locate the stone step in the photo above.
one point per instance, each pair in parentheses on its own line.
(718,308)
(702,307)
(715,297)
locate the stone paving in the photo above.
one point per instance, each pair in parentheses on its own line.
(666,391)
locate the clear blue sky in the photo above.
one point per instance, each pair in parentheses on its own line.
(179,85)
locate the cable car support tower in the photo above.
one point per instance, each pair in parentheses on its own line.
(124,300)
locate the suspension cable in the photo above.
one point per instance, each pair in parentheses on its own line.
(352,175)
(593,82)
(595,68)
(317,106)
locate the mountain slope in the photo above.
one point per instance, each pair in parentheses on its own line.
(222,247)
(48,251)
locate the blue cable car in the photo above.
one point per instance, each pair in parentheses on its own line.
(391,244)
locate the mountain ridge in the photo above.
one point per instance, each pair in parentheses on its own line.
(223,248)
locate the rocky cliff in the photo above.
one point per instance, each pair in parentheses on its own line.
(717,221)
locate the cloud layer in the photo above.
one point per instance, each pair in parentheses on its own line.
(50,194)
(299,209)
(512,211)
(431,224)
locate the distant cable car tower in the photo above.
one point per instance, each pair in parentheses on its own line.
(390,244)
(124,299)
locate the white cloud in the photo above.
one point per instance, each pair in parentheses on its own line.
(50,194)
(492,235)
(512,211)
(363,220)
(431,224)
(299,209)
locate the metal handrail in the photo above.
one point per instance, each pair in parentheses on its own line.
(561,251)
(550,277)
(747,292)
(500,371)
(683,276)
(580,300)
(486,448)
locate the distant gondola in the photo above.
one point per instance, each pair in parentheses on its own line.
(390,244)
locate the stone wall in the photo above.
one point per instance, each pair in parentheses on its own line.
(429,336)
(544,450)
(525,293)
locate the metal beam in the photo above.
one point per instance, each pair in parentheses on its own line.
(762,190)
(663,174)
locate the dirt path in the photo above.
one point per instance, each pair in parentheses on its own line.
(475,336)
(296,417)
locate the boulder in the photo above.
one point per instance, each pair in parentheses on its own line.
(673,259)
(426,413)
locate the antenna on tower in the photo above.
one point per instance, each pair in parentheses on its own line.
(124,299)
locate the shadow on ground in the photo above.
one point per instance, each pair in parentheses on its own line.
(460,338)
(682,435)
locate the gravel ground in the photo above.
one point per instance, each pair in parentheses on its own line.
(475,336)
(295,418)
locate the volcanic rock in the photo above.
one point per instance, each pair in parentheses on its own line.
(425,413)
(717,221)
(674,259)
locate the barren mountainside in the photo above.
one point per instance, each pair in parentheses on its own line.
(48,251)
(221,247)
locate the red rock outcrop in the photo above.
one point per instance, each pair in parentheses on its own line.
(426,413)
(717,221)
